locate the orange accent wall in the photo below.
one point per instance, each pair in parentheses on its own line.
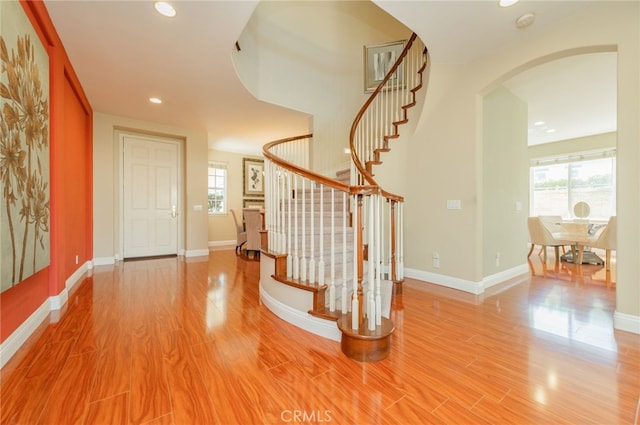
(71,197)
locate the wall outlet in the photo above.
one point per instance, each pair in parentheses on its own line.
(436,260)
(77,259)
(497,259)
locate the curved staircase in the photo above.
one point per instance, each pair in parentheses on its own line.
(332,246)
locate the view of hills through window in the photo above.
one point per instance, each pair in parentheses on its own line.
(556,188)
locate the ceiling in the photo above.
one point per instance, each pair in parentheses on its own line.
(123,53)
(570,97)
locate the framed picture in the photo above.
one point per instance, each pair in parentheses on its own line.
(378,61)
(24,101)
(253,203)
(253,177)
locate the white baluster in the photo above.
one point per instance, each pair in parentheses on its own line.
(289,229)
(303,258)
(270,222)
(312,259)
(268,195)
(355,308)
(389,226)
(274,235)
(282,241)
(400,244)
(332,261)
(321,261)
(378,254)
(371,308)
(296,258)
(345,279)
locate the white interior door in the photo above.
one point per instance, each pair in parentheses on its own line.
(150,197)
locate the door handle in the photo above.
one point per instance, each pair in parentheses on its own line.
(174,211)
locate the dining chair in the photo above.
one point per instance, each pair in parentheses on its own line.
(241,235)
(554,224)
(606,239)
(539,234)
(253,223)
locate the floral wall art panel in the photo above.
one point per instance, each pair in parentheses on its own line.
(24,148)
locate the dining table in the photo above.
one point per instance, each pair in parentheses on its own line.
(579,235)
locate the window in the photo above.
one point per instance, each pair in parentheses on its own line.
(557,184)
(217,199)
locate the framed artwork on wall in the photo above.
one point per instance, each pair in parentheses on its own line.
(253,177)
(378,61)
(24,148)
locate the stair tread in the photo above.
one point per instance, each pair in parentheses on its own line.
(307,286)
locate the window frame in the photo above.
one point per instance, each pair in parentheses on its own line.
(573,162)
(216,165)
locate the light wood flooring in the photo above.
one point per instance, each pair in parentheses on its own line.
(175,341)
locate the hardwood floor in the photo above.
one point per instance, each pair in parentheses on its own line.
(175,341)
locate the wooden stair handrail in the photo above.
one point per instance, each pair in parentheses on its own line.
(327,181)
(356,160)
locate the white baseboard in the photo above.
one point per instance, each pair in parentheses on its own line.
(104,261)
(505,275)
(444,280)
(626,322)
(467,285)
(196,253)
(215,244)
(57,301)
(12,344)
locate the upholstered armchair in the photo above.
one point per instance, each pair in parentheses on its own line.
(540,234)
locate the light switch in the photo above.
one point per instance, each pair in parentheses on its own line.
(197,207)
(454,204)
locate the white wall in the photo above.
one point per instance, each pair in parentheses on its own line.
(315,65)
(106,178)
(505,181)
(445,161)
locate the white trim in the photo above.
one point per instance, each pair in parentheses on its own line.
(505,275)
(57,301)
(315,325)
(468,285)
(626,322)
(230,243)
(12,344)
(443,280)
(196,253)
(104,261)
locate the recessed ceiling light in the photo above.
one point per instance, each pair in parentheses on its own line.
(538,123)
(550,130)
(507,3)
(525,20)
(165,8)
(155,100)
